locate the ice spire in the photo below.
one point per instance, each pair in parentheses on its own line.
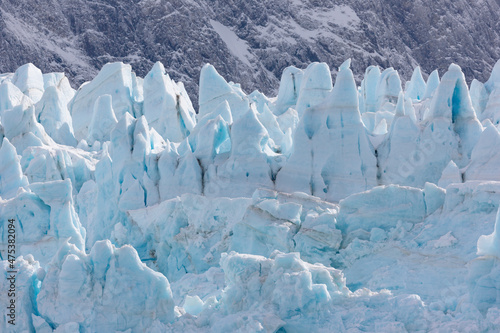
(432,84)
(315,86)
(29,79)
(247,166)
(212,139)
(52,112)
(289,89)
(451,174)
(479,98)
(167,107)
(400,106)
(11,96)
(223,109)
(11,174)
(388,87)
(103,120)
(212,84)
(331,157)
(214,90)
(369,89)
(417,86)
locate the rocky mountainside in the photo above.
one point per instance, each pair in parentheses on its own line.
(249,41)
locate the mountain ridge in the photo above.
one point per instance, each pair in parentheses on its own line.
(80,37)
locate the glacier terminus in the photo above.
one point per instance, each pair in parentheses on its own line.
(331,207)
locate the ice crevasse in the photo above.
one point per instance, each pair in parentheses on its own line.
(333,206)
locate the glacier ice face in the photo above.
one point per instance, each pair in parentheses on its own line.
(484,157)
(103,120)
(52,112)
(431,85)
(451,174)
(315,85)
(388,88)
(289,89)
(251,207)
(489,245)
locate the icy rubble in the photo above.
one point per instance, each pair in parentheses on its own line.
(264,214)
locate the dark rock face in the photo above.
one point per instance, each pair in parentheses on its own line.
(249,41)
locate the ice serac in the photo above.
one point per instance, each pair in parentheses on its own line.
(288,223)
(114,79)
(99,290)
(214,90)
(485,157)
(187,176)
(29,79)
(492,108)
(11,174)
(332,157)
(401,140)
(432,84)
(211,140)
(450,131)
(489,245)
(357,171)
(388,88)
(127,175)
(479,97)
(369,89)
(23,130)
(103,120)
(494,80)
(417,86)
(47,163)
(247,167)
(289,89)
(52,112)
(167,106)
(11,96)
(451,174)
(452,101)
(484,272)
(315,85)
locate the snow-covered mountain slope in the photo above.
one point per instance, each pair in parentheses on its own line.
(250,42)
(329,207)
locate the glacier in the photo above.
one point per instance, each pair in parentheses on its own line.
(331,207)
